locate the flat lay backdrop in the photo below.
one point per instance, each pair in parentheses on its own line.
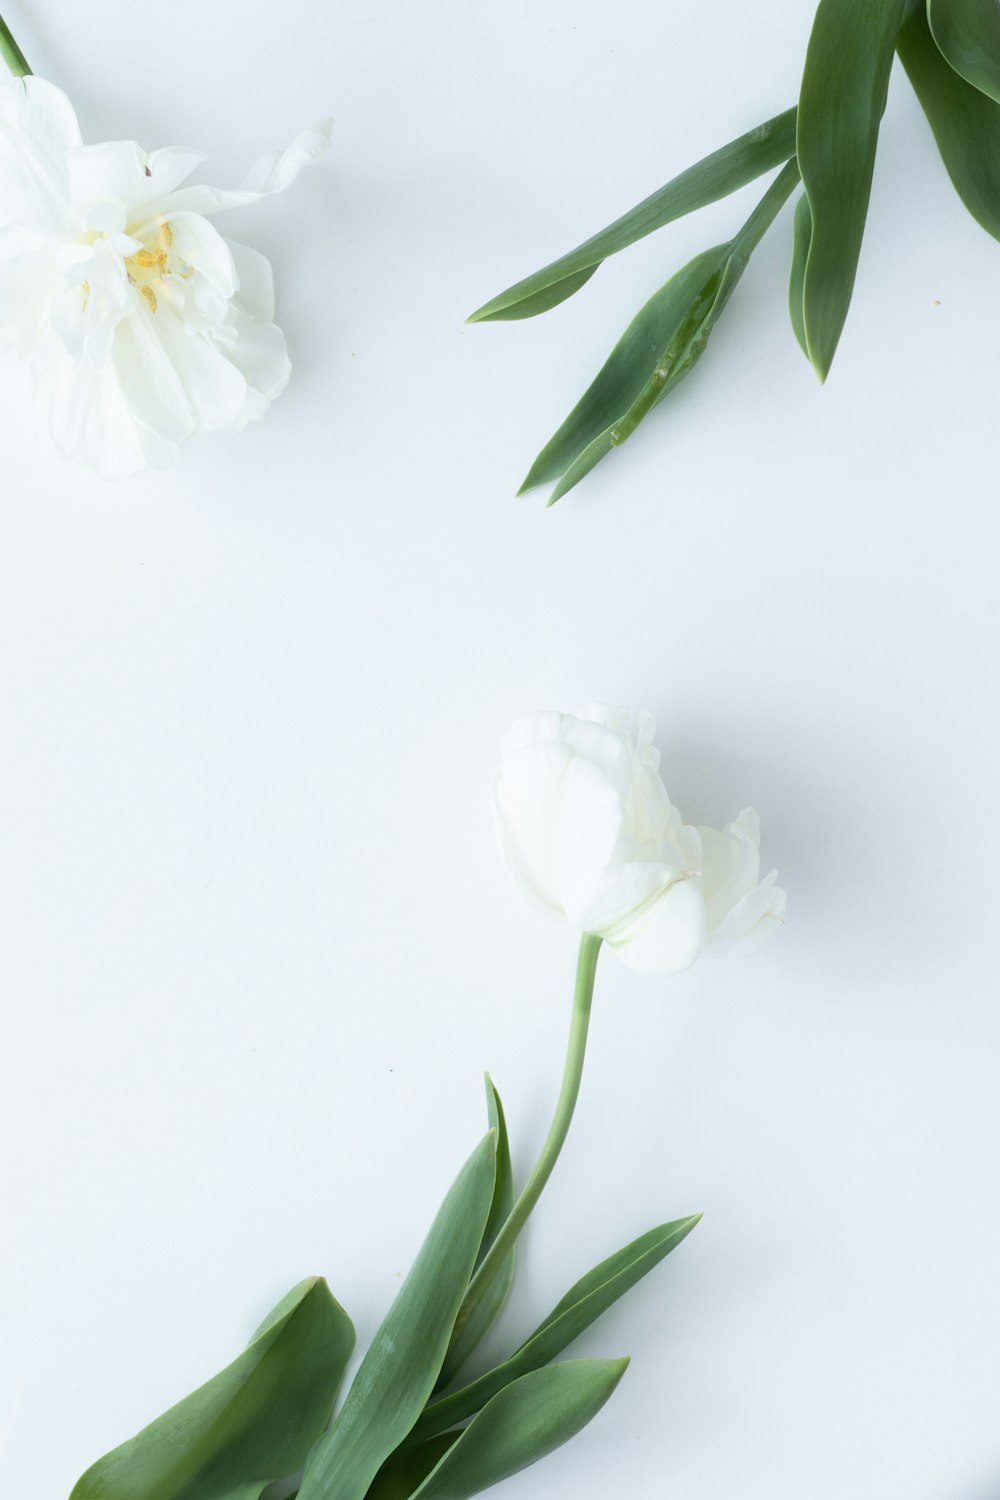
(256,946)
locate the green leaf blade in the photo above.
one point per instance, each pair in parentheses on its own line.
(467,1336)
(252,1424)
(716,176)
(967,33)
(582,1305)
(965,121)
(800,253)
(399,1371)
(843,97)
(525,1422)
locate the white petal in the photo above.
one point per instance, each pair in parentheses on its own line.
(26,282)
(256,282)
(102,181)
(37,127)
(93,299)
(730,866)
(753,921)
(82,414)
(272,174)
(200,245)
(668,936)
(258,352)
(176,383)
(163,173)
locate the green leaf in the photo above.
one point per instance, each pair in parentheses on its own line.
(254,1423)
(591,1296)
(407,1468)
(800,251)
(467,1338)
(712,178)
(967,33)
(398,1373)
(965,122)
(841,104)
(659,348)
(522,1424)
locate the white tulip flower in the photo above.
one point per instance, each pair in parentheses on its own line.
(140,325)
(589,833)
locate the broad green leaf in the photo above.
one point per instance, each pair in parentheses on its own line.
(967,33)
(522,1424)
(800,250)
(253,1424)
(659,348)
(582,1305)
(841,104)
(397,1374)
(467,1336)
(712,178)
(407,1468)
(965,122)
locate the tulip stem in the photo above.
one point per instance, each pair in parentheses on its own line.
(583,995)
(11,52)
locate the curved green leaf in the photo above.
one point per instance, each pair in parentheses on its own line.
(254,1423)
(527,1420)
(965,122)
(659,348)
(712,178)
(800,251)
(407,1468)
(398,1373)
(840,107)
(582,1305)
(967,33)
(465,1340)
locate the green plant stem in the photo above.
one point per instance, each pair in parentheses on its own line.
(11,52)
(583,995)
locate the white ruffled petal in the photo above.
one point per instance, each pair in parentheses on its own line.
(82,414)
(271,174)
(667,936)
(258,351)
(102,182)
(176,383)
(255,296)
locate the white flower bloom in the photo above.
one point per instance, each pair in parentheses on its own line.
(139,323)
(587,830)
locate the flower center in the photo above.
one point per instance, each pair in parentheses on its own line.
(148,267)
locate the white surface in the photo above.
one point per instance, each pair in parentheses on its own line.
(256,943)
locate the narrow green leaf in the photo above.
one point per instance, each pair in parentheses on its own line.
(800,251)
(965,122)
(407,1468)
(840,107)
(658,350)
(712,178)
(398,1373)
(253,1424)
(527,1420)
(967,33)
(582,1305)
(472,1332)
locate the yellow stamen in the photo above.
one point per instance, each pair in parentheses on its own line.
(166,235)
(150,297)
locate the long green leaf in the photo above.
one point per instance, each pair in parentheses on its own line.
(253,1424)
(658,350)
(407,1468)
(487,1311)
(522,1424)
(968,35)
(591,1296)
(840,107)
(800,251)
(712,178)
(965,122)
(398,1373)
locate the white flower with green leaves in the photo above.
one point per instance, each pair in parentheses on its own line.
(139,323)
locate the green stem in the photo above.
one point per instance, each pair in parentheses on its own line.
(583,996)
(11,52)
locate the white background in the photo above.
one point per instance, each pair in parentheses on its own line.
(256,944)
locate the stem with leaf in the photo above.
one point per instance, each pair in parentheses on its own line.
(583,996)
(11,52)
